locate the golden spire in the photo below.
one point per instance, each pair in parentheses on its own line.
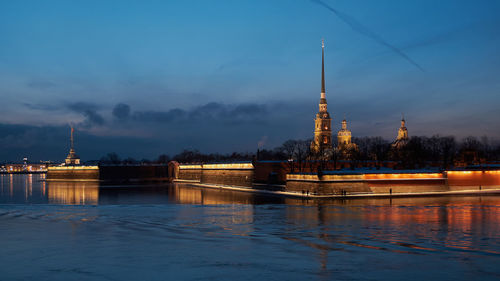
(72,131)
(323,68)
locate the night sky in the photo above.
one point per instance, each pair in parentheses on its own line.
(142,78)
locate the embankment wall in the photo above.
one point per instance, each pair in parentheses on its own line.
(234,174)
(83,173)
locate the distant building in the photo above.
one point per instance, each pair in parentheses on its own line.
(402,138)
(322,141)
(72,158)
(23,168)
(344,138)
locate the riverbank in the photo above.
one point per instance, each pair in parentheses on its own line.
(267,190)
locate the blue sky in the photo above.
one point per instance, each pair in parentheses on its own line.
(224,75)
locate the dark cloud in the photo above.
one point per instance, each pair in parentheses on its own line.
(210,112)
(244,111)
(18,141)
(89,111)
(121,111)
(158,116)
(52,143)
(217,127)
(236,114)
(43,107)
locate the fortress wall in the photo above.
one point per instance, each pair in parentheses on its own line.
(189,174)
(273,172)
(121,173)
(228,177)
(109,173)
(73,173)
(409,186)
(234,174)
(326,184)
(472,180)
(367,183)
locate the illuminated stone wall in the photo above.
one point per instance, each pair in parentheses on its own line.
(133,173)
(326,184)
(73,173)
(234,174)
(472,180)
(192,174)
(228,177)
(367,183)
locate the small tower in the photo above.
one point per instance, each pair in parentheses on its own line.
(345,146)
(322,123)
(344,135)
(402,138)
(72,158)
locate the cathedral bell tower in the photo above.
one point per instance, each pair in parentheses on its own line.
(402,138)
(322,123)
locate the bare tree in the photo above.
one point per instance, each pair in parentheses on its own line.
(289,148)
(302,151)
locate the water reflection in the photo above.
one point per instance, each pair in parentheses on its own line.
(186,194)
(73,193)
(322,235)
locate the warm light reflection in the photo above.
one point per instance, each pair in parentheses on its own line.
(73,193)
(437,223)
(234,213)
(186,194)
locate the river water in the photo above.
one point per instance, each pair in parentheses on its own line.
(82,231)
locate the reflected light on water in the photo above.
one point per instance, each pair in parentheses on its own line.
(73,193)
(216,229)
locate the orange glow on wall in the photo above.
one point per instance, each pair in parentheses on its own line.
(403,176)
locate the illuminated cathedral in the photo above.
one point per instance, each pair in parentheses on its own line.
(322,141)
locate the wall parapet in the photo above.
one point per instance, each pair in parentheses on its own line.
(217,166)
(69,168)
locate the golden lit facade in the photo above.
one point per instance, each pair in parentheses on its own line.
(402,138)
(322,123)
(344,138)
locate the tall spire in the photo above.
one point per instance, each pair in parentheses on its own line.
(72,158)
(72,130)
(323,67)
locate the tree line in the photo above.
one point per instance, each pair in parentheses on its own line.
(419,151)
